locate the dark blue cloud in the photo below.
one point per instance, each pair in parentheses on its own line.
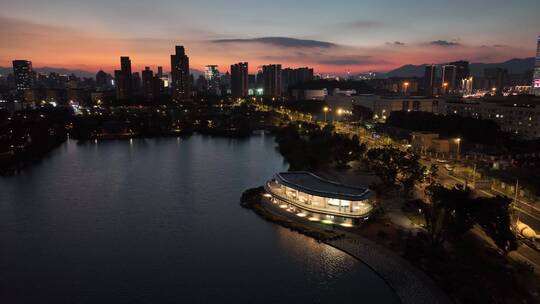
(444,43)
(282,42)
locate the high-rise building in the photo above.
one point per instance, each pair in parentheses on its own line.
(303,75)
(430,76)
(252,81)
(22,70)
(272,80)
(239,80)
(148,84)
(101,79)
(159,71)
(495,79)
(462,72)
(448,78)
(212,76)
(259,78)
(123,79)
(180,79)
(293,77)
(137,83)
(536,76)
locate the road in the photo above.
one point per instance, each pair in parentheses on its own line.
(524,211)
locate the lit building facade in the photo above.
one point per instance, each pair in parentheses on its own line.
(317,199)
(519,115)
(22,70)
(180,79)
(213,77)
(272,80)
(536,77)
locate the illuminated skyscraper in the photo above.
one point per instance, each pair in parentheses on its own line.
(272,80)
(239,79)
(22,70)
(180,81)
(536,77)
(212,76)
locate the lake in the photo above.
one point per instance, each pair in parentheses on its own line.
(159,221)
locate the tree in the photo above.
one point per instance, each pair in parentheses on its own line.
(493,215)
(345,149)
(453,212)
(449,215)
(394,165)
(306,147)
(410,171)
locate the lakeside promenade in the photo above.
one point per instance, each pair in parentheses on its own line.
(411,285)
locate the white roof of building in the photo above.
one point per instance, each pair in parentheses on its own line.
(312,184)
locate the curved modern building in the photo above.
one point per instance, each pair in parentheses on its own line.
(308,195)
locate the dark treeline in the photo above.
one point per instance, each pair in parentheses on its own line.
(470,129)
(28,135)
(308,147)
(31,134)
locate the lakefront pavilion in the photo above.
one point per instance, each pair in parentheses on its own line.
(308,195)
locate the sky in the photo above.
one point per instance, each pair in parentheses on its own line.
(336,36)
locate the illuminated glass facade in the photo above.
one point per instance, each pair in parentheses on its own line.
(317,199)
(536,78)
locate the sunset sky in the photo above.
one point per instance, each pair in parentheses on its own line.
(331,36)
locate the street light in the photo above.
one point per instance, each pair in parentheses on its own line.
(406,86)
(458,141)
(445,85)
(325,109)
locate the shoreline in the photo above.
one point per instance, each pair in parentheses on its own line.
(409,284)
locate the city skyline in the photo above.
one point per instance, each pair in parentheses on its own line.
(352,36)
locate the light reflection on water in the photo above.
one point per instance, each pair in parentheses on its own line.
(158,220)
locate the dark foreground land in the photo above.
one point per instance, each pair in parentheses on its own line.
(469,271)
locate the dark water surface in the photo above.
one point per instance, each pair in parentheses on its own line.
(159,221)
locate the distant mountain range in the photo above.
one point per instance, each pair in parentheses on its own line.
(514,66)
(46,70)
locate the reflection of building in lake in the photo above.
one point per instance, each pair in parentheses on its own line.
(318,199)
(310,252)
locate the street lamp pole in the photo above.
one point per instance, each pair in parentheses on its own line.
(458,140)
(325,109)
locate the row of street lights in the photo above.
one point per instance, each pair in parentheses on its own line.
(339,112)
